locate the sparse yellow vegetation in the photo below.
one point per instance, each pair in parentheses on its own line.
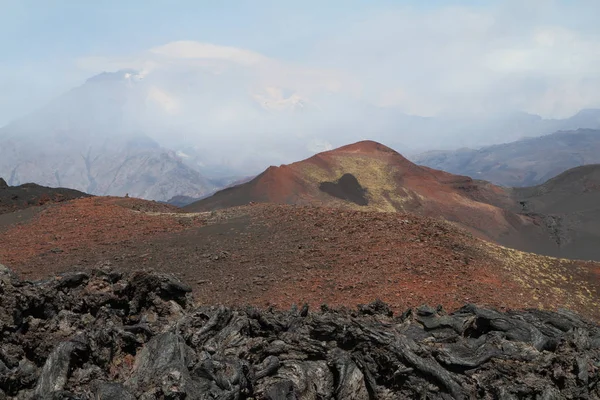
(559,282)
(376,175)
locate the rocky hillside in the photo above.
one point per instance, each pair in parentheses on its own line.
(13,198)
(109,335)
(274,255)
(569,205)
(83,317)
(85,140)
(369,176)
(525,162)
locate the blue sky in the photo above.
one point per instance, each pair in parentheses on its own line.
(65,28)
(41,38)
(41,41)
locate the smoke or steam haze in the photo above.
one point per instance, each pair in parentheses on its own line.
(249,83)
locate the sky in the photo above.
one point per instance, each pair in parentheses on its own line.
(425,58)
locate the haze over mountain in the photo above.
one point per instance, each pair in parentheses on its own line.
(226,101)
(448,286)
(167,132)
(442,58)
(87,140)
(525,162)
(559,218)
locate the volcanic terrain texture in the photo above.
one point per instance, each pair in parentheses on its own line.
(342,228)
(279,255)
(559,218)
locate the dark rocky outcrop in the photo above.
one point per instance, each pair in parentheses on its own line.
(13,198)
(105,335)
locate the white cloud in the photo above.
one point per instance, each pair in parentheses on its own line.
(256,70)
(198,51)
(167,102)
(539,56)
(459,60)
(536,56)
(551,52)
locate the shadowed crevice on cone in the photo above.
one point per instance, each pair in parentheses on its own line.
(346,188)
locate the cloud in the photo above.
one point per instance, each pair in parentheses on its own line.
(536,56)
(198,51)
(167,102)
(316,90)
(258,71)
(449,60)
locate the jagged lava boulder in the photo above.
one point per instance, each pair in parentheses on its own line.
(108,335)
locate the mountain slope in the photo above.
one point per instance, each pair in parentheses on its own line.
(389,181)
(522,163)
(80,139)
(370,176)
(85,140)
(269,254)
(569,204)
(14,198)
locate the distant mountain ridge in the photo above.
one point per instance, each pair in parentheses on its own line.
(188,131)
(569,206)
(116,167)
(84,140)
(525,162)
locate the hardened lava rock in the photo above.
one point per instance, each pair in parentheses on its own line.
(107,336)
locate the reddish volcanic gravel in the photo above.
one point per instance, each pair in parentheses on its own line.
(277,255)
(348,257)
(87,226)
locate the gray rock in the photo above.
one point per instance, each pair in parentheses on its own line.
(108,335)
(53,376)
(111,391)
(163,362)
